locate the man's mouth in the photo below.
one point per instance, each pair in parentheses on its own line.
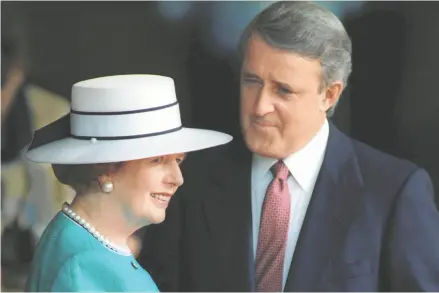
(262,123)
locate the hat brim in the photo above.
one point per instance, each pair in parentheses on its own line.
(76,151)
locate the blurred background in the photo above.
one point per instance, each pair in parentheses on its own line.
(391,101)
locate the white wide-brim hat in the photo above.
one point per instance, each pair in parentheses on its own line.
(119,118)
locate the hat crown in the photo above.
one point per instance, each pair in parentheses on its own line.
(123,93)
(124,106)
(119,118)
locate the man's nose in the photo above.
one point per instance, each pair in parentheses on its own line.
(263,103)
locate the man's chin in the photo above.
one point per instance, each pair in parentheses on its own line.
(261,148)
(266,146)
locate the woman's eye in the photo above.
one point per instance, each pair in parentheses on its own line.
(158,160)
(179,160)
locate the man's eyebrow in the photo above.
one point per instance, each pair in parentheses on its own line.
(247,74)
(283,84)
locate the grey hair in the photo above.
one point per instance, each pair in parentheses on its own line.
(309,30)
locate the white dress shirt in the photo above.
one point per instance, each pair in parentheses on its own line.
(304,167)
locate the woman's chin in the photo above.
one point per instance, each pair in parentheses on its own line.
(155,219)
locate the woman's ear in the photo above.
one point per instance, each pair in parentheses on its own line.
(108,173)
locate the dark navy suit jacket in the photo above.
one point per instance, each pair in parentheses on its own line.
(371,225)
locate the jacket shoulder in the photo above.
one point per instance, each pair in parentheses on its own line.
(376,165)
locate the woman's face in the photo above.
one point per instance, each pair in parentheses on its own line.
(144,187)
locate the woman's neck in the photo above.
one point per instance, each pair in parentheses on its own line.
(105,215)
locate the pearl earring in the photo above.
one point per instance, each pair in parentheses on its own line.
(107,187)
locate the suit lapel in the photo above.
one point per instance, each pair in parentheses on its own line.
(228,213)
(334,203)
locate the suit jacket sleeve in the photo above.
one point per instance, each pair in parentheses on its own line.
(161,244)
(412,251)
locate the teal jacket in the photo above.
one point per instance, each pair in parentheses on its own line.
(69,258)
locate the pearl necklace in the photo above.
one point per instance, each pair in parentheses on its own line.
(107,243)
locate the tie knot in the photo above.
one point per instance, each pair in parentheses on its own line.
(280,170)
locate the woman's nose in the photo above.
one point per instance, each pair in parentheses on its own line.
(175,176)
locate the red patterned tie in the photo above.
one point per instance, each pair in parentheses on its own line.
(273,232)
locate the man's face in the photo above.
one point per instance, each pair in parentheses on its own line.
(282,105)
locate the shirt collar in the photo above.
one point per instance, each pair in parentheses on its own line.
(304,164)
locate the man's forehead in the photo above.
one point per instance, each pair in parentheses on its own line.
(280,68)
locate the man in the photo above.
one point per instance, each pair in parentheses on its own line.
(308,208)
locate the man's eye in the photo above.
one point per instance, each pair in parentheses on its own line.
(283,91)
(251,81)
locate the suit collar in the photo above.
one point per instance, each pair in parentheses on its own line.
(340,160)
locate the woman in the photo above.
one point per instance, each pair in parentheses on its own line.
(120,149)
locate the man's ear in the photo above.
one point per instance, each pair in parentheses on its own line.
(331,95)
